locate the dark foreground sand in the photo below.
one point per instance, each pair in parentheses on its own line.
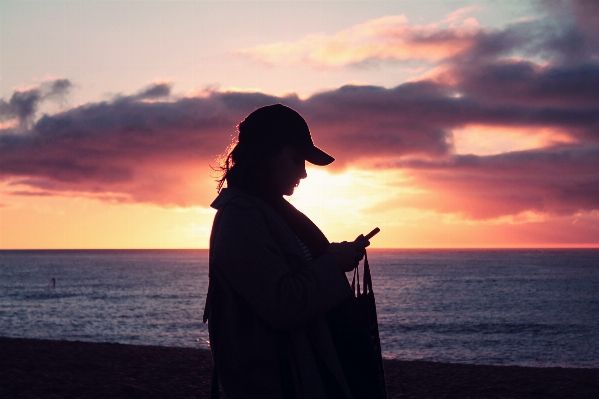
(60,369)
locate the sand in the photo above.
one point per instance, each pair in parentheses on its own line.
(61,369)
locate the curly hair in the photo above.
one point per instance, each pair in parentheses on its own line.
(246,165)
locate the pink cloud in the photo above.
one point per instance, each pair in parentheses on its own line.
(159,151)
(387,38)
(561,180)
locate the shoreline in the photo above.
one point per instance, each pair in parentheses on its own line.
(33,368)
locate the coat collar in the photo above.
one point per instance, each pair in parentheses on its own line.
(231,193)
(226,195)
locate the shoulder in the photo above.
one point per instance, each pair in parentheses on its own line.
(245,215)
(241,217)
(239,212)
(242,202)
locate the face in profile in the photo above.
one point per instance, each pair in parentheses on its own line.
(288,167)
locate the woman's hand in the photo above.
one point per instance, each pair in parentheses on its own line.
(347,255)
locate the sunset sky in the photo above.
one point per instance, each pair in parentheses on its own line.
(453,123)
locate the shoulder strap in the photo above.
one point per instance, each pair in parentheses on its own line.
(367,277)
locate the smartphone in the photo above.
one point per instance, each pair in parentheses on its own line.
(374,232)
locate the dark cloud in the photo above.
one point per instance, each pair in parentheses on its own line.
(59,87)
(366,121)
(564,32)
(157,90)
(159,151)
(23,104)
(417,118)
(145,149)
(524,82)
(139,151)
(576,27)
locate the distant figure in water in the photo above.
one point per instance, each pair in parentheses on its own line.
(273,273)
(53,282)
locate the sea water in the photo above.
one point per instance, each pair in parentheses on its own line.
(503,307)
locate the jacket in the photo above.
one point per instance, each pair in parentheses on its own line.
(266,309)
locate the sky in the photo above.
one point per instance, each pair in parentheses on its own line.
(454,124)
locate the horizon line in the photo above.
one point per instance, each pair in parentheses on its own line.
(588,246)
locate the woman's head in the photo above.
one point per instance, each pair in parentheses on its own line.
(271,141)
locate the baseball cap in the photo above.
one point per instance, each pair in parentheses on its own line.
(278,124)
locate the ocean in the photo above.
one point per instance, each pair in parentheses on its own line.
(499,307)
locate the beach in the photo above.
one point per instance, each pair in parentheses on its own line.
(33,368)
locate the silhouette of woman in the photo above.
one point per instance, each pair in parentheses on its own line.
(273,273)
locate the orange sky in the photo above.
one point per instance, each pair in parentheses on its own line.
(452,127)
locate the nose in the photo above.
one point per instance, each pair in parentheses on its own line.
(303,174)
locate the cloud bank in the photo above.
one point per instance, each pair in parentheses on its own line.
(155,147)
(559,180)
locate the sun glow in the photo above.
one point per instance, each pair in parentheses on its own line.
(344,205)
(56,222)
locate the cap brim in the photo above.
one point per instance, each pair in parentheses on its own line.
(316,156)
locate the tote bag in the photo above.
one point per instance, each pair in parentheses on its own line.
(354,328)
